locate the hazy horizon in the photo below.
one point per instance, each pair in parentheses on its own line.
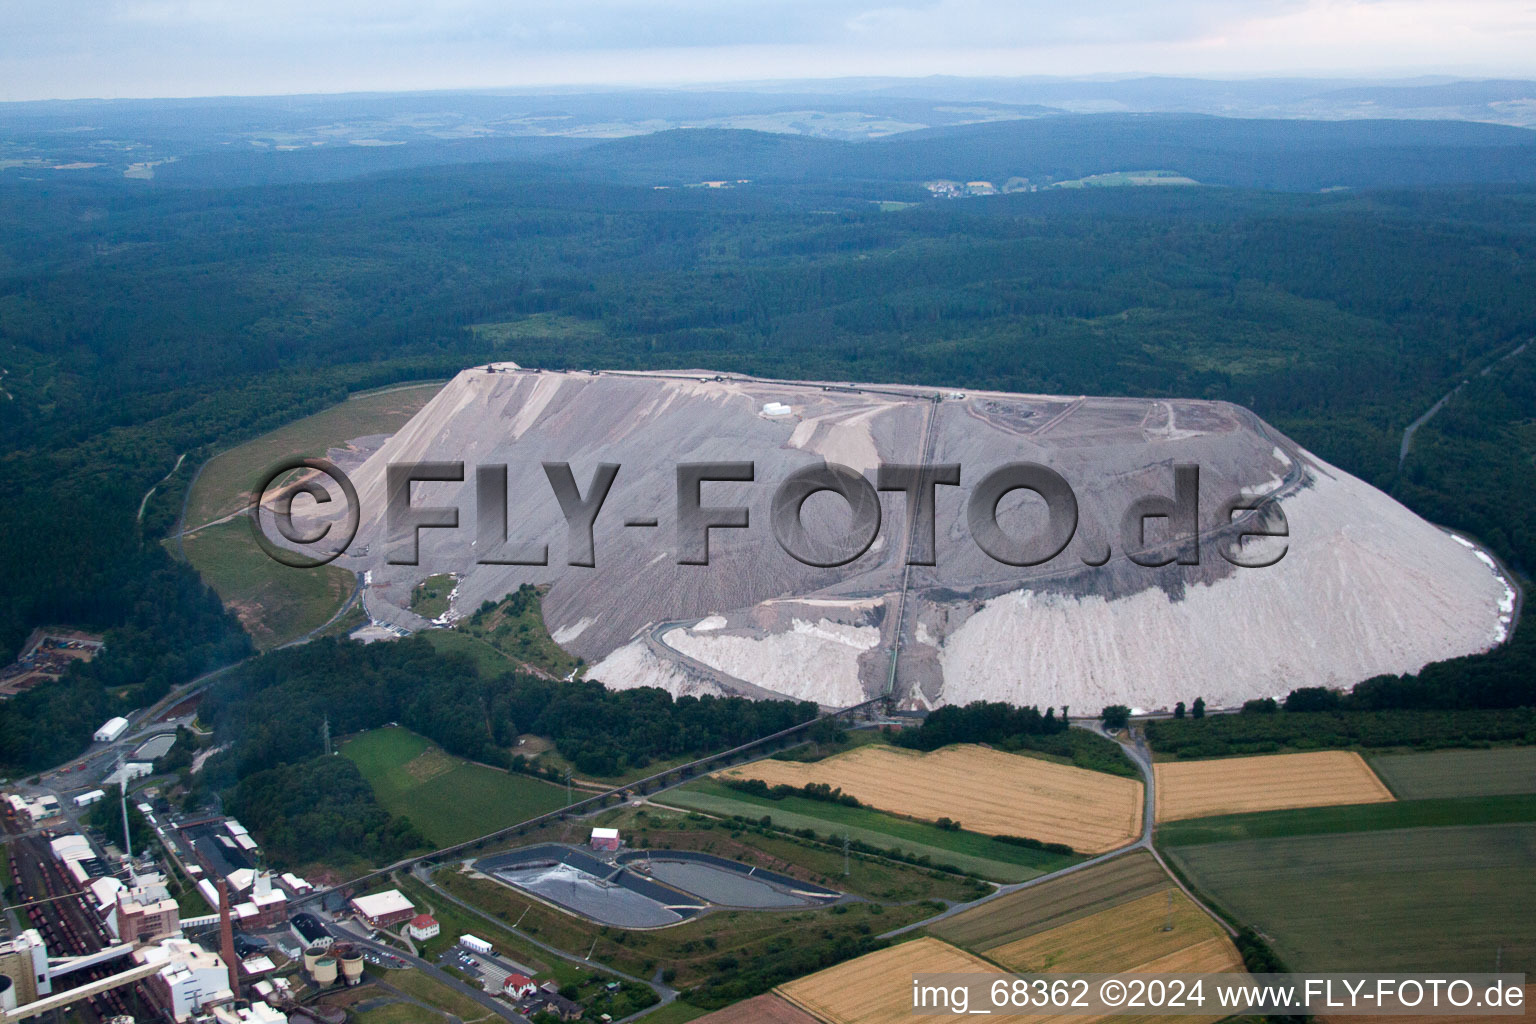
(148,49)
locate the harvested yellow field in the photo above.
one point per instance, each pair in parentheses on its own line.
(1272,782)
(1131,937)
(877,988)
(985,790)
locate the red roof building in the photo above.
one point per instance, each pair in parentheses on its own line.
(422,927)
(519,986)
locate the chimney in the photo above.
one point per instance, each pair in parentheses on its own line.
(227,939)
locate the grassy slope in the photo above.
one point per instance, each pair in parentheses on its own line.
(226,480)
(965,850)
(1440,899)
(516,628)
(430,597)
(1490,810)
(449,799)
(275,603)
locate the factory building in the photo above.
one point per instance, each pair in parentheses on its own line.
(190,978)
(111,730)
(32,812)
(145,913)
(384,909)
(310,931)
(24,963)
(606,839)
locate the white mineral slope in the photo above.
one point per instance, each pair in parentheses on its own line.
(635,665)
(816,661)
(1365,588)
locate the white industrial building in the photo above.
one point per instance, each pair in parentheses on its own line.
(111,730)
(86,799)
(190,978)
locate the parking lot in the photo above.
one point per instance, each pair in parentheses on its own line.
(490,969)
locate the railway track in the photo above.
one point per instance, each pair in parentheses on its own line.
(69,927)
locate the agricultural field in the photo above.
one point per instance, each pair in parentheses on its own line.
(1452,773)
(764,1009)
(449,799)
(965,850)
(985,790)
(877,988)
(1199,789)
(1123,915)
(1421,899)
(275,603)
(1306,821)
(1158,933)
(1053,904)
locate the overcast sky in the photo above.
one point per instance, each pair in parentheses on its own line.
(122,48)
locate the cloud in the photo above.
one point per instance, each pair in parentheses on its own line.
(202,47)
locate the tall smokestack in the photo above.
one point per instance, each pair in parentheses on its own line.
(227,939)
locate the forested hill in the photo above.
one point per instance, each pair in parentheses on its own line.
(1245,153)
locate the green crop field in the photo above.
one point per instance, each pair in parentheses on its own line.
(968,851)
(1307,821)
(1423,899)
(1446,773)
(449,799)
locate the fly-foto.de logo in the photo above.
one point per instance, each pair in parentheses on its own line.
(1155,529)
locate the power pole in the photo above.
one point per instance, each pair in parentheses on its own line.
(845,855)
(325,733)
(567,787)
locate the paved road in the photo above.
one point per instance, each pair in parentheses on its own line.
(663,991)
(499,1007)
(1139,753)
(1407,445)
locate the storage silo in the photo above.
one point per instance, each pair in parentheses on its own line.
(351,966)
(312,956)
(324,972)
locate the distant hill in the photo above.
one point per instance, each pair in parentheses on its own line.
(1255,153)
